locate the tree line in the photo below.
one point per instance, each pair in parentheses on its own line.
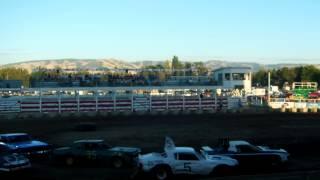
(16,74)
(175,67)
(283,75)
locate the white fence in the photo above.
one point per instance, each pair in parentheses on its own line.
(277,103)
(116,103)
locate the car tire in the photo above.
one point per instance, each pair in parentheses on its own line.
(277,164)
(69,161)
(117,162)
(161,173)
(222,170)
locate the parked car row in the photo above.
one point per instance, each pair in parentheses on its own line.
(16,150)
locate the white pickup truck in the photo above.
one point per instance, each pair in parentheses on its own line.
(183,160)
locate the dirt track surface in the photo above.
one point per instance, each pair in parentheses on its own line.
(298,133)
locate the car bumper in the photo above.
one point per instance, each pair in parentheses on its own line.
(15,168)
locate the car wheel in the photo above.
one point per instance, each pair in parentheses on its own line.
(117,162)
(69,161)
(222,170)
(161,173)
(277,164)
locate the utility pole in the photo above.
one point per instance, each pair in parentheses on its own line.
(269,86)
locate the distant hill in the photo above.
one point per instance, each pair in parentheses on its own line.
(73,64)
(115,63)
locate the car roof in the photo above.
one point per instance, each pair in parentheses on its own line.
(89,141)
(12,134)
(238,142)
(184,149)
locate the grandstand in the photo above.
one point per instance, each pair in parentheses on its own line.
(145,90)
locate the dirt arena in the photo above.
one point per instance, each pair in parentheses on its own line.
(298,133)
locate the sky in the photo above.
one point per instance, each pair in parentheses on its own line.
(263,31)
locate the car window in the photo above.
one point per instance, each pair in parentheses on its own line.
(165,154)
(104,146)
(247,149)
(17,138)
(187,157)
(90,146)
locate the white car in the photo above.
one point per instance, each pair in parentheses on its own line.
(183,160)
(249,155)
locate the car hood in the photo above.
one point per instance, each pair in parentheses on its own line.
(270,150)
(27,144)
(126,149)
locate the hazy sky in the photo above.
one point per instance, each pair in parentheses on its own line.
(265,31)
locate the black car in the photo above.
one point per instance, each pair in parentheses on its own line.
(98,152)
(249,155)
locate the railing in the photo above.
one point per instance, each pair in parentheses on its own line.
(277,103)
(60,104)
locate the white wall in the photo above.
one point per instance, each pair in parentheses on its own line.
(231,83)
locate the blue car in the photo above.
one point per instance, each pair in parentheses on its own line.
(23,143)
(10,161)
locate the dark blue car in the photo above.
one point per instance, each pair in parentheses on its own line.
(10,161)
(23,143)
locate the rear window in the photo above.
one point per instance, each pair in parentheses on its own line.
(16,138)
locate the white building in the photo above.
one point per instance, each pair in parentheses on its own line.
(234,77)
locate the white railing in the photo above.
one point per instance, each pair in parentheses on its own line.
(277,103)
(132,103)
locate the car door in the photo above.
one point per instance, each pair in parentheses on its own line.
(103,153)
(187,163)
(248,155)
(91,151)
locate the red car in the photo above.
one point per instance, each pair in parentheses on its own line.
(314,95)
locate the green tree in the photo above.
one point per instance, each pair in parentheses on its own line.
(260,78)
(167,64)
(177,66)
(309,73)
(188,67)
(202,70)
(16,74)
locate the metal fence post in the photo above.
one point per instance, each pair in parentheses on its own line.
(96,96)
(200,102)
(114,102)
(167,102)
(78,101)
(215,102)
(59,101)
(40,100)
(183,102)
(150,102)
(132,107)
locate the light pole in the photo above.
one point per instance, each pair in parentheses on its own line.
(269,88)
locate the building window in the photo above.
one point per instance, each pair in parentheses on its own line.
(227,76)
(238,76)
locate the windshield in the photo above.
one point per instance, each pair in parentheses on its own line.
(247,149)
(200,155)
(16,138)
